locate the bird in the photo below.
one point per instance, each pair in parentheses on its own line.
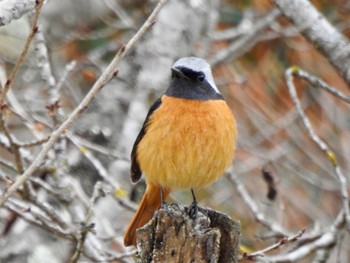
(187,140)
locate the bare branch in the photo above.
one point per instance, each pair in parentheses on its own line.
(319,83)
(81,142)
(68,69)
(14,9)
(21,58)
(327,239)
(231,33)
(63,197)
(318,141)
(86,226)
(283,241)
(95,162)
(8,165)
(13,145)
(248,40)
(33,143)
(316,28)
(44,64)
(102,80)
(36,217)
(260,217)
(312,243)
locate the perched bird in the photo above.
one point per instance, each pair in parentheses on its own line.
(187,140)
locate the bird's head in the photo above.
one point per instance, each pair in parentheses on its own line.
(192,79)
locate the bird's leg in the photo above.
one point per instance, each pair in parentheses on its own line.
(193,209)
(162,201)
(194,197)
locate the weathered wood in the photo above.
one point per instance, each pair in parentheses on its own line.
(173,236)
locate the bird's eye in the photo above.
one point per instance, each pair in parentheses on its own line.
(201,77)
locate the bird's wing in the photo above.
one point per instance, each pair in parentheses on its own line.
(135,170)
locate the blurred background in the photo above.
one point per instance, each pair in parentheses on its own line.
(249,45)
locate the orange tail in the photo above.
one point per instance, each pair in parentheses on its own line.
(149,204)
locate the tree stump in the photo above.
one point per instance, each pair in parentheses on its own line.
(173,236)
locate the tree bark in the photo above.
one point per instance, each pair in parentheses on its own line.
(174,236)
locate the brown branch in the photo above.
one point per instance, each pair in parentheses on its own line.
(283,241)
(21,58)
(13,145)
(102,80)
(33,143)
(327,239)
(8,84)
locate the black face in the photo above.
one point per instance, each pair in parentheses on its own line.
(188,84)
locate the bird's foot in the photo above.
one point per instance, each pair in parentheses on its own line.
(193,210)
(163,204)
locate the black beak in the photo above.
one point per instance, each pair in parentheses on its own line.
(178,73)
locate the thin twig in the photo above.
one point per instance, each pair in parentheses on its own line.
(319,83)
(326,240)
(95,162)
(283,241)
(33,143)
(9,83)
(309,244)
(51,213)
(21,58)
(6,145)
(86,226)
(63,197)
(246,41)
(17,109)
(5,178)
(8,165)
(13,145)
(244,26)
(290,72)
(38,219)
(81,142)
(260,217)
(68,69)
(44,64)
(106,76)
(121,13)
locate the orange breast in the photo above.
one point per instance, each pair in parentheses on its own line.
(188,143)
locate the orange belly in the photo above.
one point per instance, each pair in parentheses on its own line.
(188,143)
